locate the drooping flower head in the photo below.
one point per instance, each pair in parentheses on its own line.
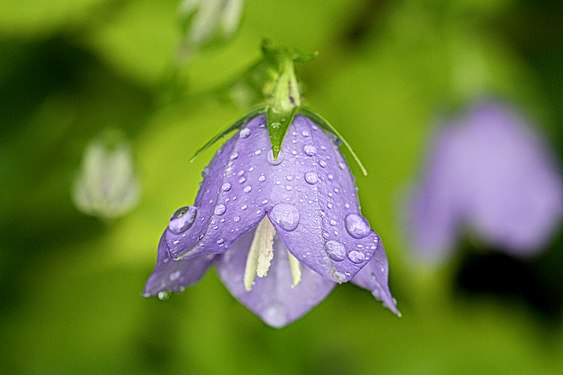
(207,22)
(489,172)
(107,185)
(282,224)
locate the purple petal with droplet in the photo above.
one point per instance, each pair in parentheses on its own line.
(374,277)
(175,275)
(313,193)
(272,298)
(233,197)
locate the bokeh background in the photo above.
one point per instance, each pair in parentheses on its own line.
(71,284)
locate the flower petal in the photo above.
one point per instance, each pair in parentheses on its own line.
(272,298)
(233,196)
(175,275)
(374,277)
(488,170)
(316,211)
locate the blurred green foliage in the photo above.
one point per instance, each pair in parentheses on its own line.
(71,285)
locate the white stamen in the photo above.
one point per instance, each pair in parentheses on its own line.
(295,267)
(261,253)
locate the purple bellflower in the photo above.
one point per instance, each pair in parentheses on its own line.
(489,172)
(282,232)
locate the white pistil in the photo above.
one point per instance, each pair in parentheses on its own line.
(261,253)
(295,267)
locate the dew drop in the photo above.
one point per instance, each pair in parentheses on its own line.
(247,189)
(234,155)
(164,296)
(243,207)
(332,222)
(275,315)
(242,180)
(226,186)
(174,275)
(262,178)
(322,163)
(311,178)
(182,219)
(286,216)
(335,250)
(240,173)
(356,256)
(220,209)
(244,133)
(274,161)
(330,177)
(257,152)
(310,150)
(357,226)
(341,165)
(220,241)
(236,219)
(305,133)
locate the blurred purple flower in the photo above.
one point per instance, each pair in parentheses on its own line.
(282,232)
(489,172)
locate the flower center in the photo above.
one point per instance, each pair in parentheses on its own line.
(261,254)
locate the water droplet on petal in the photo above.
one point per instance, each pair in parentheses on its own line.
(310,150)
(244,133)
(247,189)
(164,296)
(257,152)
(220,209)
(234,155)
(236,219)
(243,207)
(182,219)
(335,250)
(226,186)
(174,275)
(341,165)
(357,226)
(286,216)
(275,315)
(322,163)
(262,178)
(242,180)
(356,256)
(305,133)
(273,161)
(311,177)
(220,241)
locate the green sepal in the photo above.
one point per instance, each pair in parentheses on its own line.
(278,123)
(241,122)
(323,123)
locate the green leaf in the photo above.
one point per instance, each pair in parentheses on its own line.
(241,122)
(278,122)
(322,122)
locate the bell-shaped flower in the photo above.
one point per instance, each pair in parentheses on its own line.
(208,21)
(282,231)
(490,173)
(107,185)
